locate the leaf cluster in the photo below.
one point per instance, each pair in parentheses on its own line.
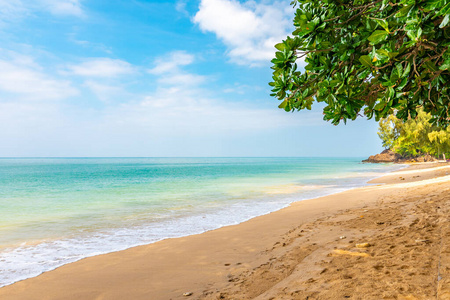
(372,58)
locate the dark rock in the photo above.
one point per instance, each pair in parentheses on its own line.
(384,157)
(390,156)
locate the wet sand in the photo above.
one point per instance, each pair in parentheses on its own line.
(387,241)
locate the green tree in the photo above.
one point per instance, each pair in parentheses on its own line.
(415,136)
(441,141)
(367,57)
(389,131)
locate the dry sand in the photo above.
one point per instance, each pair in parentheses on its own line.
(387,241)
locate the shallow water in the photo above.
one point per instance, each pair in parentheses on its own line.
(55,211)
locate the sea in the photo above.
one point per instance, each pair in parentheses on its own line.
(55,211)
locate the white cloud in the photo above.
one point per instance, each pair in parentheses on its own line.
(63,7)
(11,10)
(241,89)
(102,67)
(250,30)
(172,62)
(88,44)
(169,71)
(24,78)
(182,79)
(180,6)
(183,105)
(181,116)
(104,92)
(173,112)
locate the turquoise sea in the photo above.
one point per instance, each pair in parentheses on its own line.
(54,211)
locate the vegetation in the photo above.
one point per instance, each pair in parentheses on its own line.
(372,58)
(415,136)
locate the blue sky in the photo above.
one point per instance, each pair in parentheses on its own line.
(154,78)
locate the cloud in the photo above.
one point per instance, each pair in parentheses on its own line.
(169,70)
(11,10)
(172,62)
(104,92)
(180,6)
(250,30)
(241,89)
(183,104)
(102,67)
(14,10)
(21,76)
(63,7)
(90,45)
(182,115)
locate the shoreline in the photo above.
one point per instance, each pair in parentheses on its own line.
(58,251)
(203,264)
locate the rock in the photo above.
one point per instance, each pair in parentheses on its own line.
(342,237)
(187,294)
(363,245)
(390,156)
(423,241)
(385,156)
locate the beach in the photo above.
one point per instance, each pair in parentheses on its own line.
(389,240)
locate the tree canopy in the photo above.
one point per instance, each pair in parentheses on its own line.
(415,136)
(372,58)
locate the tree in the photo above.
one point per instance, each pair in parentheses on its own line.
(415,136)
(374,58)
(389,131)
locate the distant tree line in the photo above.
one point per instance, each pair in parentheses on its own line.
(415,136)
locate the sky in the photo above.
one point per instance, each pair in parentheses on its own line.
(127,78)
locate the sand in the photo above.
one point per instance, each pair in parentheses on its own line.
(387,241)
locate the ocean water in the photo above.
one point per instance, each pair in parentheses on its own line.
(54,211)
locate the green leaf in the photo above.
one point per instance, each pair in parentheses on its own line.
(378,36)
(366,61)
(403,83)
(382,54)
(323,60)
(433,4)
(412,34)
(392,54)
(391,92)
(419,32)
(379,106)
(394,76)
(404,11)
(431,66)
(445,9)
(445,21)
(384,24)
(407,70)
(399,69)
(445,66)
(283,104)
(310,27)
(305,93)
(280,46)
(334,83)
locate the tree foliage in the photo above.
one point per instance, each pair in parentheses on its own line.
(415,136)
(367,57)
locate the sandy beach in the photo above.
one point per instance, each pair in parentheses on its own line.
(390,240)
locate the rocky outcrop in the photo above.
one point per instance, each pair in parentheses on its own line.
(423,158)
(384,157)
(390,156)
